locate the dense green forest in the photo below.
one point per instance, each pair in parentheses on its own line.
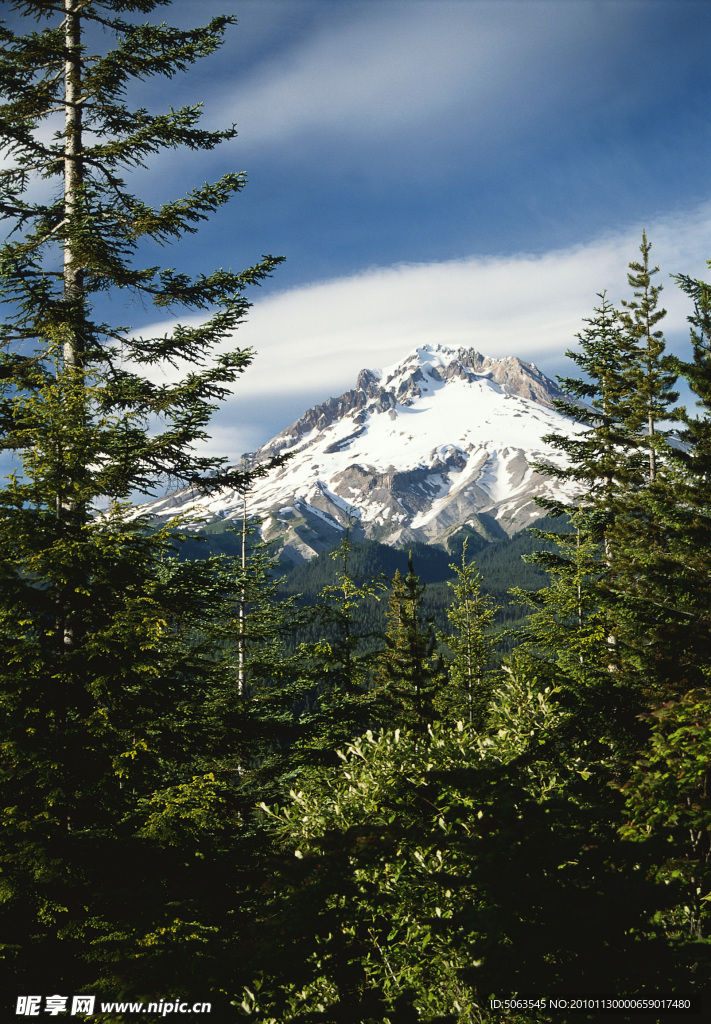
(361,805)
(501,564)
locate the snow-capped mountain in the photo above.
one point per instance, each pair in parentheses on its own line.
(442,441)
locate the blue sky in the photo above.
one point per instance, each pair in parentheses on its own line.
(465,171)
(392,131)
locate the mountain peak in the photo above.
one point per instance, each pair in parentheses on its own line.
(422,371)
(439,442)
(444,363)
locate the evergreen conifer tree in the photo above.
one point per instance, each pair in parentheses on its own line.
(651,637)
(409,672)
(340,662)
(471,616)
(120,709)
(663,537)
(602,456)
(664,567)
(269,669)
(589,621)
(603,462)
(566,624)
(654,391)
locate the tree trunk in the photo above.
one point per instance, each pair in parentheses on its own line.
(73,274)
(71,331)
(242,639)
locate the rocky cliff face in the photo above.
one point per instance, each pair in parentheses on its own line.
(440,442)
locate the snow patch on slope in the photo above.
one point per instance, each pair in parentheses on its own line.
(416,450)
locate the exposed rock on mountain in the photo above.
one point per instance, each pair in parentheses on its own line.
(439,443)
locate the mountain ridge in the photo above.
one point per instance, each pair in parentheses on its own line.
(515,375)
(439,443)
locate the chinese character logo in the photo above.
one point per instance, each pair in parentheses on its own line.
(28,1006)
(55,1005)
(83,1004)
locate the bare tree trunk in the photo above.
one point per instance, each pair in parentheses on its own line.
(73,278)
(470,660)
(652,453)
(612,644)
(580,590)
(73,274)
(242,615)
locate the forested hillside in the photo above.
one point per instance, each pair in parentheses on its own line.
(501,564)
(349,807)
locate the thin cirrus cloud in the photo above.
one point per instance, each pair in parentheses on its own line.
(404,66)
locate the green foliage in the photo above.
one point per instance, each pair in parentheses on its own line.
(437,874)
(363,879)
(339,662)
(653,393)
(603,619)
(122,727)
(269,672)
(409,673)
(471,616)
(341,601)
(569,634)
(96,229)
(117,756)
(602,454)
(668,796)
(550,834)
(663,541)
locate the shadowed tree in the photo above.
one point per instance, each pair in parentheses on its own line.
(471,616)
(121,712)
(408,671)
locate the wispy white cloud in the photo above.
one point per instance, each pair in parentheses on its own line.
(393,70)
(312,341)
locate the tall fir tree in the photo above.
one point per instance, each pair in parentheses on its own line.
(121,709)
(602,462)
(644,585)
(654,392)
(649,638)
(341,660)
(617,459)
(409,672)
(471,643)
(668,533)
(567,636)
(269,669)
(602,456)
(665,566)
